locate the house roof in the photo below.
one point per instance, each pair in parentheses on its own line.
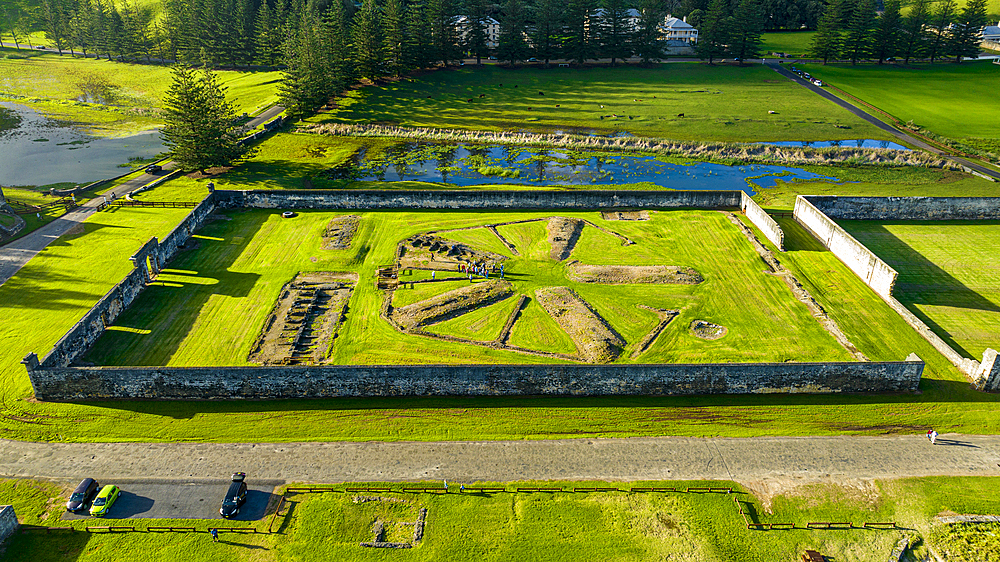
(630,13)
(676,23)
(991,31)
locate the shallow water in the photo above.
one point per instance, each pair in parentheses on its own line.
(41,151)
(465,165)
(858,143)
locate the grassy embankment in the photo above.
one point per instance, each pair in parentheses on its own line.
(956,101)
(121,98)
(717,103)
(186,317)
(541,526)
(947,275)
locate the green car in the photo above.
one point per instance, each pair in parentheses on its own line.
(104,500)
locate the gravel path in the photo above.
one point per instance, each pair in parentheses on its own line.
(797,459)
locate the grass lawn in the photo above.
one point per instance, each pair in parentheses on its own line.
(186,317)
(537,526)
(123,97)
(948,275)
(953,100)
(718,103)
(795,43)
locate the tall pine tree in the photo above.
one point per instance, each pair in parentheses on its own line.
(511,45)
(547,28)
(577,44)
(394,28)
(615,30)
(858,41)
(886,39)
(369,44)
(748,23)
(198,122)
(646,41)
(940,33)
(828,41)
(968,26)
(913,37)
(713,36)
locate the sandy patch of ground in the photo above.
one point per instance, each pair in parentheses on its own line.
(305,319)
(340,232)
(633,274)
(625,215)
(594,338)
(563,234)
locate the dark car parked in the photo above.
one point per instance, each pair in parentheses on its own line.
(82,494)
(154,169)
(235,497)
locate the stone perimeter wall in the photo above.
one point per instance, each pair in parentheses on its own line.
(54,380)
(763,221)
(8,522)
(214,383)
(479,200)
(147,262)
(870,268)
(907,208)
(816,214)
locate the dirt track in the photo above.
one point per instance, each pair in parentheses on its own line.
(786,460)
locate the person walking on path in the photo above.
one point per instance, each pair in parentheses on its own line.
(932,436)
(215,534)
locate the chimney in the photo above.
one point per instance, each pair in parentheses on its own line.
(685,20)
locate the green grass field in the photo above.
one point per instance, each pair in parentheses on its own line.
(948,276)
(795,43)
(130,95)
(953,100)
(688,527)
(185,318)
(719,103)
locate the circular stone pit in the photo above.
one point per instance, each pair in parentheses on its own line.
(707,330)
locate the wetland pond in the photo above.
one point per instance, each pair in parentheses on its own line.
(854,143)
(38,151)
(467,165)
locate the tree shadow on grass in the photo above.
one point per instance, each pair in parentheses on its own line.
(167,311)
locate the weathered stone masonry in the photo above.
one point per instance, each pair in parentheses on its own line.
(195,383)
(8,522)
(816,214)
(53,378)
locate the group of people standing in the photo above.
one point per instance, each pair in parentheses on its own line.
(482,269)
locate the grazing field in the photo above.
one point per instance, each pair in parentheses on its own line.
(949,275)
(186,317)
(953,100)
(677,101)
(795,43)
(702,527)
(108,98)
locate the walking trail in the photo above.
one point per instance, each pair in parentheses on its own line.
(790,460)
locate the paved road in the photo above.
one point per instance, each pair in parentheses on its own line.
(668,458)
(780,69)
(14,255)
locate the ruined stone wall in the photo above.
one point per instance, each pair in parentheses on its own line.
(439,199)
(228,383)
(988,377)
(147,262)
(907,208)
(873,271)
(763,221)
(8,522)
